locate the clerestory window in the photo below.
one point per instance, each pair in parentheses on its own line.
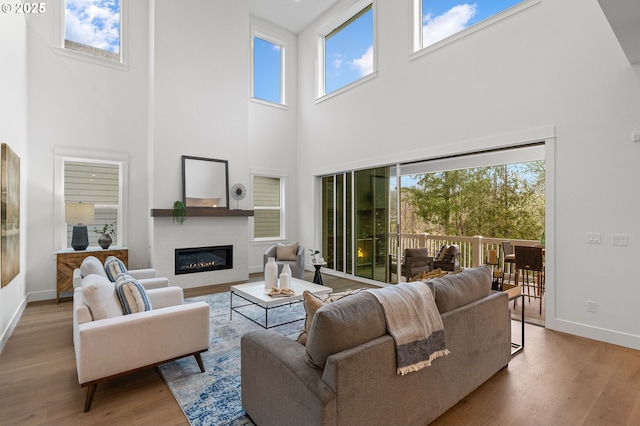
(347,49)
(94,28)
(268,66)
(437,20)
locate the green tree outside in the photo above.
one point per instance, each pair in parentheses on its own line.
(505,201)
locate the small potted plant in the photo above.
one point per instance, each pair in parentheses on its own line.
(179,212)
(314,255)
(107,230)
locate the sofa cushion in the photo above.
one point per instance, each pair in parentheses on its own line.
(287,251)
(99,294)
(114,267)
(92,265)
(344,324)
(132,295)
(455,290)
(313,302)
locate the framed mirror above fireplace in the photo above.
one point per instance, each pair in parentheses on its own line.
(205,182)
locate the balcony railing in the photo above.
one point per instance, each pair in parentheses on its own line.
(473,250)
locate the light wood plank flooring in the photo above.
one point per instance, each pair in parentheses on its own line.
(558,379)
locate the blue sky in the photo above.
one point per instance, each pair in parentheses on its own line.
(349,53)
(267,60)
(443,18)
(94,23)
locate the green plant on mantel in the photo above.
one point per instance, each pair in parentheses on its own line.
(179,212)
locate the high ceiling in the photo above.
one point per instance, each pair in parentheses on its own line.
(624,17)
(292,15)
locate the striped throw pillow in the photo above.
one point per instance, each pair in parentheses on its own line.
(132,295)
(114,267)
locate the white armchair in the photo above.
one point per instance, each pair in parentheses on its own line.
(110,347)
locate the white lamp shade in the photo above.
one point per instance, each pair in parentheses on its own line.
(79,213)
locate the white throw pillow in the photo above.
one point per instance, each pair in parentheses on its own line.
(91,265)
(99,294)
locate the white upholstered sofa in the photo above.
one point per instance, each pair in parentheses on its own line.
(109,343)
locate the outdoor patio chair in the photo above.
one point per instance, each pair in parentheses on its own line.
(448,259)
(416,261)
(509,256)
(529,260)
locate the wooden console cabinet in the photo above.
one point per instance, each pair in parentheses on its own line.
(69,259)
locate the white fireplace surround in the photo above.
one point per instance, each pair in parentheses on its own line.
(201,232)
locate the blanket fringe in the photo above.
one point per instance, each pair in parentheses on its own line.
(422,364)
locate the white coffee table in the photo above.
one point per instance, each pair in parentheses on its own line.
(254,293)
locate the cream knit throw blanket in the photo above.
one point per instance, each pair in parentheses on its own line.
(414,323)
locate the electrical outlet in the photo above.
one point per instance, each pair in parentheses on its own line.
(591,306)
(619,239)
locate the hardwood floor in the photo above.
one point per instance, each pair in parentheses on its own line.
(558,379)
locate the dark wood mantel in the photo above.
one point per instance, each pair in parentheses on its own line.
(203,212)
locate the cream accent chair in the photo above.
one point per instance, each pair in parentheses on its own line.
(114,346)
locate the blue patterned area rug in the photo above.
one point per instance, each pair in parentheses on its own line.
(213,397)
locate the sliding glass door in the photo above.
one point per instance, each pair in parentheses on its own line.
(355,222)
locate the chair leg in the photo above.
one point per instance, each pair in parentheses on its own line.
(198,357)
(91,391)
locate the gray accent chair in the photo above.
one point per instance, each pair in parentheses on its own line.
(297,266)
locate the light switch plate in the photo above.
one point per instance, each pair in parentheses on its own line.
(593,238)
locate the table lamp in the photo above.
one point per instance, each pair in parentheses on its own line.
(79,214)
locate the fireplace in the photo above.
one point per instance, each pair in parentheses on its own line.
(202,259)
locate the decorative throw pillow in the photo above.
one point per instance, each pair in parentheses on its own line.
(99,294)
(92,265)
(114,267)
(132,295)
(443,253)
(287,251)
(313,302)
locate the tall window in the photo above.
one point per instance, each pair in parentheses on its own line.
(93,28)
(268,219)
(348,49)
(440,19)
(268,65)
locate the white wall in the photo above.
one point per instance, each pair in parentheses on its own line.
(273,142)
(532,74)
(77,104)
(14,132)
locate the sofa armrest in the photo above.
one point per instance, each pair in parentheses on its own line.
(77,278)
(153,283)
(116,345)
(165,297)
(140,274)
(272,364)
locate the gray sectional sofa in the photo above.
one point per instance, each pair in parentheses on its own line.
(346,373)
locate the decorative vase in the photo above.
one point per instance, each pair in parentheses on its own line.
(271,274)
(105,241)
(285,280)
(286,270)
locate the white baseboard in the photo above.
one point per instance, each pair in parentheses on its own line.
(12,324)
(604,335)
